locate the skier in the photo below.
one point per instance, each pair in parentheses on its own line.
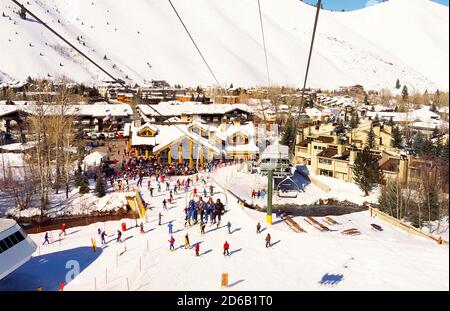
(170,226)
(63,230)
(226,247)
(119,235)
(164,202)
(159,219)
(195,192)
(171,241)
(159,186)
(142,228)
(46,239)
(197,249)
(205,193)
(258,228)
(186,241)
(103,235)
(268,240)
(211,190)
(171,195)
(151,191)
(229,227)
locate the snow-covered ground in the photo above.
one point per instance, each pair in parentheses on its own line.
(374,260)
(242,184)
(405,39)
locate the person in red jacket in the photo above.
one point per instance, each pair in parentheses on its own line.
(171,241)
(226,247)
(195,192)
(197,249)
(63,230)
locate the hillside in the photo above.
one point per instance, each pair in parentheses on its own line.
(144,40)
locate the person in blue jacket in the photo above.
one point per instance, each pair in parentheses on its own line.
(170,226)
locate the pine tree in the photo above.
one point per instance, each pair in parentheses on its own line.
(340,128)
(397,138)
(397,84)
(100,185)
(371,138)
(84,184)
(428,148)
(29,80)
(366,171)
(354,121)
(289,134)
(366,99)
(418,143)
(23,12)
(405,93)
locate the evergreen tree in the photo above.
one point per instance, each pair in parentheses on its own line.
(354,121)
(418,143)
(100,185)
(397,138)
(290,131)
(428,149)
(366,99)
(29,80)
(405,93)
(371,138)
(340,128)
(231,86)
(397,84)
(366,171)
(23,12)
(434,108)
(84,184)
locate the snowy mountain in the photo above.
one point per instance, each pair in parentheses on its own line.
(405,39)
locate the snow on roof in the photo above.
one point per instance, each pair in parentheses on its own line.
(176,108)
(276,151)
(94,159)
(423,114)
(99,109)
(18,146)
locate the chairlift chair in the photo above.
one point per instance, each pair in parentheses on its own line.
(287,188)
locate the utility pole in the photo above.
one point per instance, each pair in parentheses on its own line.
(269,196)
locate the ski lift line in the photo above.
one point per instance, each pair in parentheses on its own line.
(264,41)
(319,3)
(196,46)
(67,42)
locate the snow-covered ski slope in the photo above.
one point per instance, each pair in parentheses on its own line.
(143,39)
(388,260)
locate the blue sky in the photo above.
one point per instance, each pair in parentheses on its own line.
(353,4)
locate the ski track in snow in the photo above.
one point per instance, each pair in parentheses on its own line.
(372,46)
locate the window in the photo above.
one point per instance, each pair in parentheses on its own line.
(10,241)
(325,161)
